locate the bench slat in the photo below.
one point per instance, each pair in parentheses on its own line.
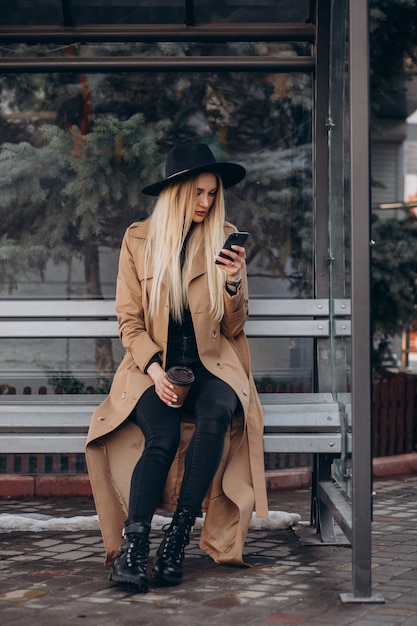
(272,307)
(317,443)
(77,421)
(33,443)
(298,423)
(24,309)
(39,329)
(45,402)
(287,328)
(288,307)
(59,329)
(291,399)
(31,423)
(42,443)
(299,418)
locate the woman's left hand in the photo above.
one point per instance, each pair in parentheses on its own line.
(236,259)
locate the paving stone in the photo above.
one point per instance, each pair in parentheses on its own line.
(59,577)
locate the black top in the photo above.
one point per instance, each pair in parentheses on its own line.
(182,345)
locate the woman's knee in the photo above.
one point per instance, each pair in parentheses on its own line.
(163,443)
(214,418)
(160,429)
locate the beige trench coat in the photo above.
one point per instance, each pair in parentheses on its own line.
(114,443)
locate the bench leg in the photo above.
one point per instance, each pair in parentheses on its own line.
(320,516)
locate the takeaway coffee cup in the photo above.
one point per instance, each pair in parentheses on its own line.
(182,378)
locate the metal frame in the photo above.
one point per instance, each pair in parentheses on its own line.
(321,185)
(208,33)
(166,33)
(91,65)
(361,332)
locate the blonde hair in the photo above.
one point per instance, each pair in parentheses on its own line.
(170,223)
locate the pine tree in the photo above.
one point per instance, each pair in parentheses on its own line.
(70,195)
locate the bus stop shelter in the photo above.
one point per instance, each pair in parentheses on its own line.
(323,46)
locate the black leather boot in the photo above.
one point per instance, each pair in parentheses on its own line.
(168,567)
(129,568)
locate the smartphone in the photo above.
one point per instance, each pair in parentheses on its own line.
(234,239)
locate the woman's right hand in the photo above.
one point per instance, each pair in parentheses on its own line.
(163,387)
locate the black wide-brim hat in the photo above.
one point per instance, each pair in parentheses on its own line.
(192,159)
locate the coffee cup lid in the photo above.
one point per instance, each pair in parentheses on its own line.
(180,375)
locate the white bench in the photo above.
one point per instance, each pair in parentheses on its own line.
(294,422)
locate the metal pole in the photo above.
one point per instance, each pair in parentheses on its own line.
(323,373)
(361,334)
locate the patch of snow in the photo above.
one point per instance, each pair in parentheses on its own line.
(34,522)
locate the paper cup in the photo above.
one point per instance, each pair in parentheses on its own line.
(181,378)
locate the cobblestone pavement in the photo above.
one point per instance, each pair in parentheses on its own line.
(58,578)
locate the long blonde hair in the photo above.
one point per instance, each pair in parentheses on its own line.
(170,223)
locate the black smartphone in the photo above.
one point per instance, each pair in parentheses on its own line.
(234,239)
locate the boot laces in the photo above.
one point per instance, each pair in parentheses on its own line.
(177,537)
(137,550)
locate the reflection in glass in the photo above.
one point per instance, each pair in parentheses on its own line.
(86,12)
(77,149)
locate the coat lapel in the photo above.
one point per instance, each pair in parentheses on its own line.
(199,265)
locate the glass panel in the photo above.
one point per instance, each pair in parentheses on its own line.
(84,12)
(128,12)
(267,11)
(25,12)
(282,365)
(38,366)
(77,151)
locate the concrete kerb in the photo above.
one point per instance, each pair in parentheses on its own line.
(53,485)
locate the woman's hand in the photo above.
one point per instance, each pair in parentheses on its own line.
(163,387)
(236,259)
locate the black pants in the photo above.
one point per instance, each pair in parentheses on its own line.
(212,402)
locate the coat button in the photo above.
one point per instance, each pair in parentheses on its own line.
(101,418)
(245,392)
(219,365)
(123,395)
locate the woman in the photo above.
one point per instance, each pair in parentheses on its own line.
(177,306)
